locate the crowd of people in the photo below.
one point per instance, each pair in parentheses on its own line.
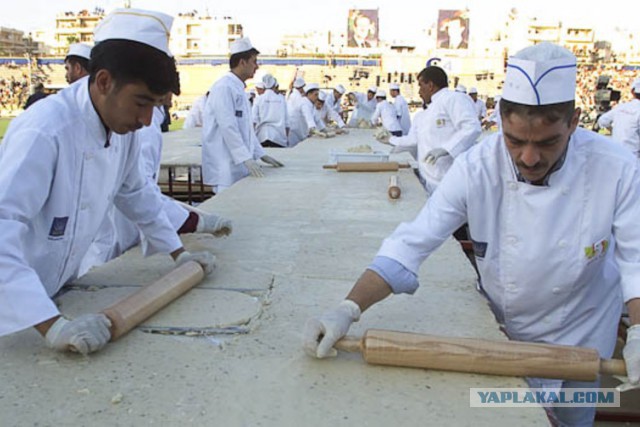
(546,212)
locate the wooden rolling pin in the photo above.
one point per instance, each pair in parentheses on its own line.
(512,358)
(394,188)
(134,309)
(367,166)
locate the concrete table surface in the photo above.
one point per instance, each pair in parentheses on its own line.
(229,352)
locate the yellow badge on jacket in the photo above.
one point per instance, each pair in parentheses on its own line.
(596,250)
(440,122)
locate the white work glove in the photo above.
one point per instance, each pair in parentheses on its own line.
(271,161)
(631,354)
(205,259)
(382,135)
(254,168)
(213,224)
(342,131)
(329,134)
(317,133)
(321,333)
(433,155)
(85,334)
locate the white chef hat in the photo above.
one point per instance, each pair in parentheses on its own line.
(82,50)
(540,75)
(144,26)
(311,86)
(340,89)
(381,93)
(635,87)
(461,89)
(298,82)
(268,81)
(259,85)
(322,96)
(472,90)
(394,86)
(243,44)
(373,89)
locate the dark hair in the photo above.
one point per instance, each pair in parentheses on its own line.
(129,61)
(234,60)
(636,95)
(75,59)
(434,74)
(552,113)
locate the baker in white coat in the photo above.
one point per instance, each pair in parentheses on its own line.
(365,105)
(327,116)
(66,161)
(303,119)
(270,116)
(76,63)
(334,99)
(553,210)
(479,104)
(402,108)
(230,148)
(119,234)
(386,114)
(625,120)
(296,93)
(443,131)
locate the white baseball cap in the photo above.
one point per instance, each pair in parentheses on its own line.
(541,75)
(461,89)
(243,44)
(394,86)
(340,89)
(373,89)
(82,50)
(259,85)
(322,96)
(381,93)
(268,81)
(472,90)
(143,26)
(635,86)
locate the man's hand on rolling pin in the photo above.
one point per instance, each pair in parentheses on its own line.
(85,334)
(433,155)
(205,259)
(321,333)
(254,168)
(271,161)
(631,354)
(342,131)
(214,224)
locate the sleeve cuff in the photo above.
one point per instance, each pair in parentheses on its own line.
(401,280)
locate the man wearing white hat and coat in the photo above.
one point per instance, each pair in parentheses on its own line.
(402,108)
(553,211)
(76,63)
(303,119)
(365,105)
(386,114)
(296,93)
(270,115)
(230,148)
(56,187)
(625,120)
(479,104)
(334,99)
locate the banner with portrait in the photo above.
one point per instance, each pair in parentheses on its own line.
(362,29)
(453,29)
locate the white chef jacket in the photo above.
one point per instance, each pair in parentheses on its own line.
(450,122)
(333,103)
(386,113)
(57,181)
(556,261)
(625,119)
(271,118)
(118,233)
(363,109)
(326,115)
(302,120)
(294,97)
(194,118)
(481,108)
(228,138)
(402,112)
